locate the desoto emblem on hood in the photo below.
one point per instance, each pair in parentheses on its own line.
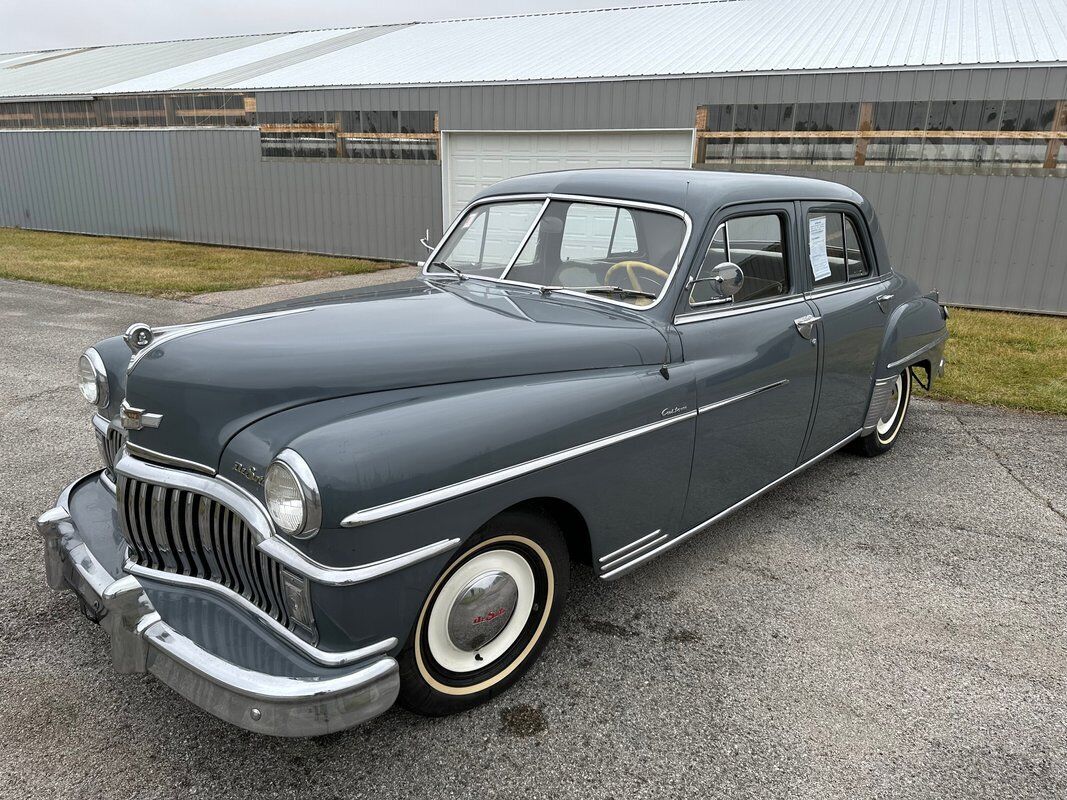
(247,471)
(135,419)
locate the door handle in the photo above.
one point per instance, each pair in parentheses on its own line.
(806,327)
(883,298)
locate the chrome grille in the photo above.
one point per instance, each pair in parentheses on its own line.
(113,442)
(183,532)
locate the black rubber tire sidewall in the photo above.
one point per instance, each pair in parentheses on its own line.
(418,695)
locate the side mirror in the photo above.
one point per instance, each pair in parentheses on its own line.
(425,241)
(722,284)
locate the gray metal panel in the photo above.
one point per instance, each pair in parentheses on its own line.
(986,240)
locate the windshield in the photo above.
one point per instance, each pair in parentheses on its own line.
(612,251)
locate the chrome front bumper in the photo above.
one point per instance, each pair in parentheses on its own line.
(321,702)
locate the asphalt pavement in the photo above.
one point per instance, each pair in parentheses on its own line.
(891,627)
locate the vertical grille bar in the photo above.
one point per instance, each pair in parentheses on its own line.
(179,531)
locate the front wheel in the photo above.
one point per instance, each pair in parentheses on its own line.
(888,426)
(487,617)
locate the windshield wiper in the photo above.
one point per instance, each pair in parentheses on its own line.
(616,290)
(450,268)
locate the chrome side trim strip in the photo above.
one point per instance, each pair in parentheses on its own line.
(348,576)
(742,396)
(324,657)
(641,559)
(435,496)
(163,458)
(634,553)
(626,547)
(900,362)
(249,509)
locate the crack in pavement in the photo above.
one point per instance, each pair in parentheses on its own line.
(1047,501)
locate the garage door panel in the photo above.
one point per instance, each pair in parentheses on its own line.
(478,160)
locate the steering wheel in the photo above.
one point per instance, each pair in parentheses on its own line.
(630,266)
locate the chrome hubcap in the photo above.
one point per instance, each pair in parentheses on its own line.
(482,610)
(890,415)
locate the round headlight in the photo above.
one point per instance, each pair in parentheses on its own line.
(92,378)
(292,495)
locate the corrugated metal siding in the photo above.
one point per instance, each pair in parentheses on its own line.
(697,38)
(211,186)
(983,240)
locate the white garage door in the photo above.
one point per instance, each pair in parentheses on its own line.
(477,160)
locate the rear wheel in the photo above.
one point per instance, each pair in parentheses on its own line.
(488,616)
(888,426)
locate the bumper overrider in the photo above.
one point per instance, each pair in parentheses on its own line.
(294,697)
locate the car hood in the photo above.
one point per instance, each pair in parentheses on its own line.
(211,379)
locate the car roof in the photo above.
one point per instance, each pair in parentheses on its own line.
(699,192)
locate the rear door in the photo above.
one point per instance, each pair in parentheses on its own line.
(844,286)
(755,373)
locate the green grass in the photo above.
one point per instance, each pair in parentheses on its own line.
(158,269)
(999,359)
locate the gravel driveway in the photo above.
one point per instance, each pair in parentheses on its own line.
(874,628)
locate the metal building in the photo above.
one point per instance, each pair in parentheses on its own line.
(950,115)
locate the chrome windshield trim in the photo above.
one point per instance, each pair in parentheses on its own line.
(525,239)
(744,395)
(912,356)
(734,311)
(435,496)
(266,538)
(324,657)
(547,197)
(163,458)
(643,557)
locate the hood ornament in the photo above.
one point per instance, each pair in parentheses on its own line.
(135,419)
(137,337)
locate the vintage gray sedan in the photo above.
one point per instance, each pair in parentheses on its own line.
(311,510)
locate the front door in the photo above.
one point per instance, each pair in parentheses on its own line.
(845,288)
(755,373)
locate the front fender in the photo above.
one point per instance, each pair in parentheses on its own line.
(379,448)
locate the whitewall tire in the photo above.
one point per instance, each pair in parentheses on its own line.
(487,617)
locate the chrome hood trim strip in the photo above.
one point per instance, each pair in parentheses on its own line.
(435,496)
(172,332)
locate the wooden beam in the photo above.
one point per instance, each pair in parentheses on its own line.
(1059,123)
(875,135)
(865,124)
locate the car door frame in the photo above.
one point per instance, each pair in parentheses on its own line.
(684,316)
(877,277)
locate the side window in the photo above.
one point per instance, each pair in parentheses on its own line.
(826,248)
(594,233)
(756,244)
(857,266)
